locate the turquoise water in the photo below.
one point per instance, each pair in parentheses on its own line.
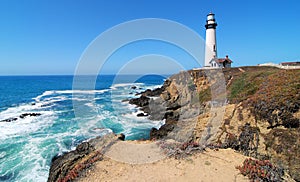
(28,144)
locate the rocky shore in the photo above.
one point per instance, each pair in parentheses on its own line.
(260,118)
(252,110)
(70,165)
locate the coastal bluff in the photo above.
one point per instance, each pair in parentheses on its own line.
(260,117)
(254,111)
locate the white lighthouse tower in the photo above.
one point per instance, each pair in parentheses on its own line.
(211,43)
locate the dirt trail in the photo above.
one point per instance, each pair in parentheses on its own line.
(207,166)
(135,152)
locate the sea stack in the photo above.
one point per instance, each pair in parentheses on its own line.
(211,43)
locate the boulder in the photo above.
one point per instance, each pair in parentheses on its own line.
(29,114)
(9,120)
(163,131)
(121,136)
(141,101)
(152,93)
(141,115)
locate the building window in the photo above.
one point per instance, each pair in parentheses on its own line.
(214,48)
(215,64)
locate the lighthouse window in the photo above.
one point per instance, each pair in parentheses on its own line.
(215,48)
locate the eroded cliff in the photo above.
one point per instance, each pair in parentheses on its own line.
(254,110)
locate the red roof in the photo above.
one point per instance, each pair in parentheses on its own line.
(221,60)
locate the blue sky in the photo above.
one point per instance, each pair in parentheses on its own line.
(49,37)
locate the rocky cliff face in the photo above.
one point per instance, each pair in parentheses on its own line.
(254,110)
(69,166)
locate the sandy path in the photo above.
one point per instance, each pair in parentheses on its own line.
(135,152)
(207,166)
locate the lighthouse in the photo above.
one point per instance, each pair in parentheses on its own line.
(211,43)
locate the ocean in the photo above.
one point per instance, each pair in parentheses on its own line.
(28,143)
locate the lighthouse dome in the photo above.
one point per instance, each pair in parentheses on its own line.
(210,17)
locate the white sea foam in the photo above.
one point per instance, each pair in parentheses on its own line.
(81,91)
(32,155)
(52,92)
(129,85)
(2,155)
(46,93)
(80,99)
(16,111)
(131,107)
(26,125)
(49,101)
(152,87)
(92,105)
(101,131)
(133,115)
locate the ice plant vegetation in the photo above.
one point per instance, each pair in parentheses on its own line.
(260,170)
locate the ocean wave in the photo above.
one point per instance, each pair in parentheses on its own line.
(23,126)
(129,85)
(2,155)
(32,155)
(17,110)
(81,91)
(53,92)
(46,93)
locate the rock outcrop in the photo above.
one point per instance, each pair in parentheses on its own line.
(70,165)
(258,112)
(22,116)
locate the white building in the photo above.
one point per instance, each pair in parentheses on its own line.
(211,58)
(220,62)
(283,65)
(211,42)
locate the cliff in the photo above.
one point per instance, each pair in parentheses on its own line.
(254,110)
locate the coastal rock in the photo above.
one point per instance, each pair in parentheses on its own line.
(172,116)
(29,114)
(84,148)
(163,131)
(152,93)
(62,165)
(141,101)
(156,92)
(68,166)
(156,109)
(22,116)
(9,120)
(141,115)
(121,137)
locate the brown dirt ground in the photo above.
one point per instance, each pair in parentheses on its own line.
(209,165)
